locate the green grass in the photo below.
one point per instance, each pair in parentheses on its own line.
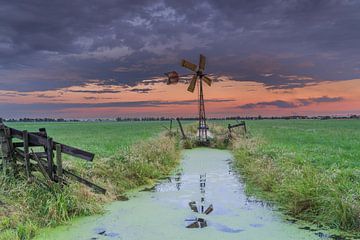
(310,168)
(326,144)
(128,155)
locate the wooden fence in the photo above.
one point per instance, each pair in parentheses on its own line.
(19,156)
(239,124)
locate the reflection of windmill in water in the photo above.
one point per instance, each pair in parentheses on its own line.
(198,74)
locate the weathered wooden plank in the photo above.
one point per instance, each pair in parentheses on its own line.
(3,147)
(9,160)
(38,155)
(26,153)
(59,169)
(21,144)
(85,182)
(39,140)
(50,161)
(75,152)
(181,128)
(240,124)
(41,167)
(19,152)
(236,125)
(77,178)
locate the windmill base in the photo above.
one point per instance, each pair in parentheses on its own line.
(204,143)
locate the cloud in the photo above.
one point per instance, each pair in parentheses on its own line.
(141,90)
(295,104)
(277,103)
(103,53)
(61,44)
(95,91)
(55,106)
(45,96)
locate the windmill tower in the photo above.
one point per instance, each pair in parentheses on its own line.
(201,76)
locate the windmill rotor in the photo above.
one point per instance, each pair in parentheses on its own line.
(198,72)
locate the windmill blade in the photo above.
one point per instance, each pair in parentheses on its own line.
(193,206)
(202,62)
(188,65)
(191,87)
(209,209)
(207,80)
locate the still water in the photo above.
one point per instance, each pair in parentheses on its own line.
(163,212)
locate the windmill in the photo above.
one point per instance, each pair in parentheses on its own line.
(201,76)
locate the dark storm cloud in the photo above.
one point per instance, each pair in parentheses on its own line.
(294,104)
(277,103)
(54,44)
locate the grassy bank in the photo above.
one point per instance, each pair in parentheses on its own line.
(124,160)
(309,167)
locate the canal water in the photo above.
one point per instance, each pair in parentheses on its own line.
(163,212)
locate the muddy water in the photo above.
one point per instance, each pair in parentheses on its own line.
(163,212)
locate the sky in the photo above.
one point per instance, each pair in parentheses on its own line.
(107,59)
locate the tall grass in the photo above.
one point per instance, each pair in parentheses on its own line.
(328,197)
(309,167)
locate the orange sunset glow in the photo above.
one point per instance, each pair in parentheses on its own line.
(226,95)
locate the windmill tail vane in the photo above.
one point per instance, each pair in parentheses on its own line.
(173,77)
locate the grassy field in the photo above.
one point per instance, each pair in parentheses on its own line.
(311,168)
(325,144)
(127,155)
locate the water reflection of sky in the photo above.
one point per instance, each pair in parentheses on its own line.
(163,212)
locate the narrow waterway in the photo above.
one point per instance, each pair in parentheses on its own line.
(163,212)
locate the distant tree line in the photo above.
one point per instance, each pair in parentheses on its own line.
(40,120)
(126,119)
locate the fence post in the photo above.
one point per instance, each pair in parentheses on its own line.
(229,131)
(181,128)
(59,168)
(3,147)
(50,161)
(26,154)
(6,148)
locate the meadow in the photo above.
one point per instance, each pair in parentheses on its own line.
(309,168)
